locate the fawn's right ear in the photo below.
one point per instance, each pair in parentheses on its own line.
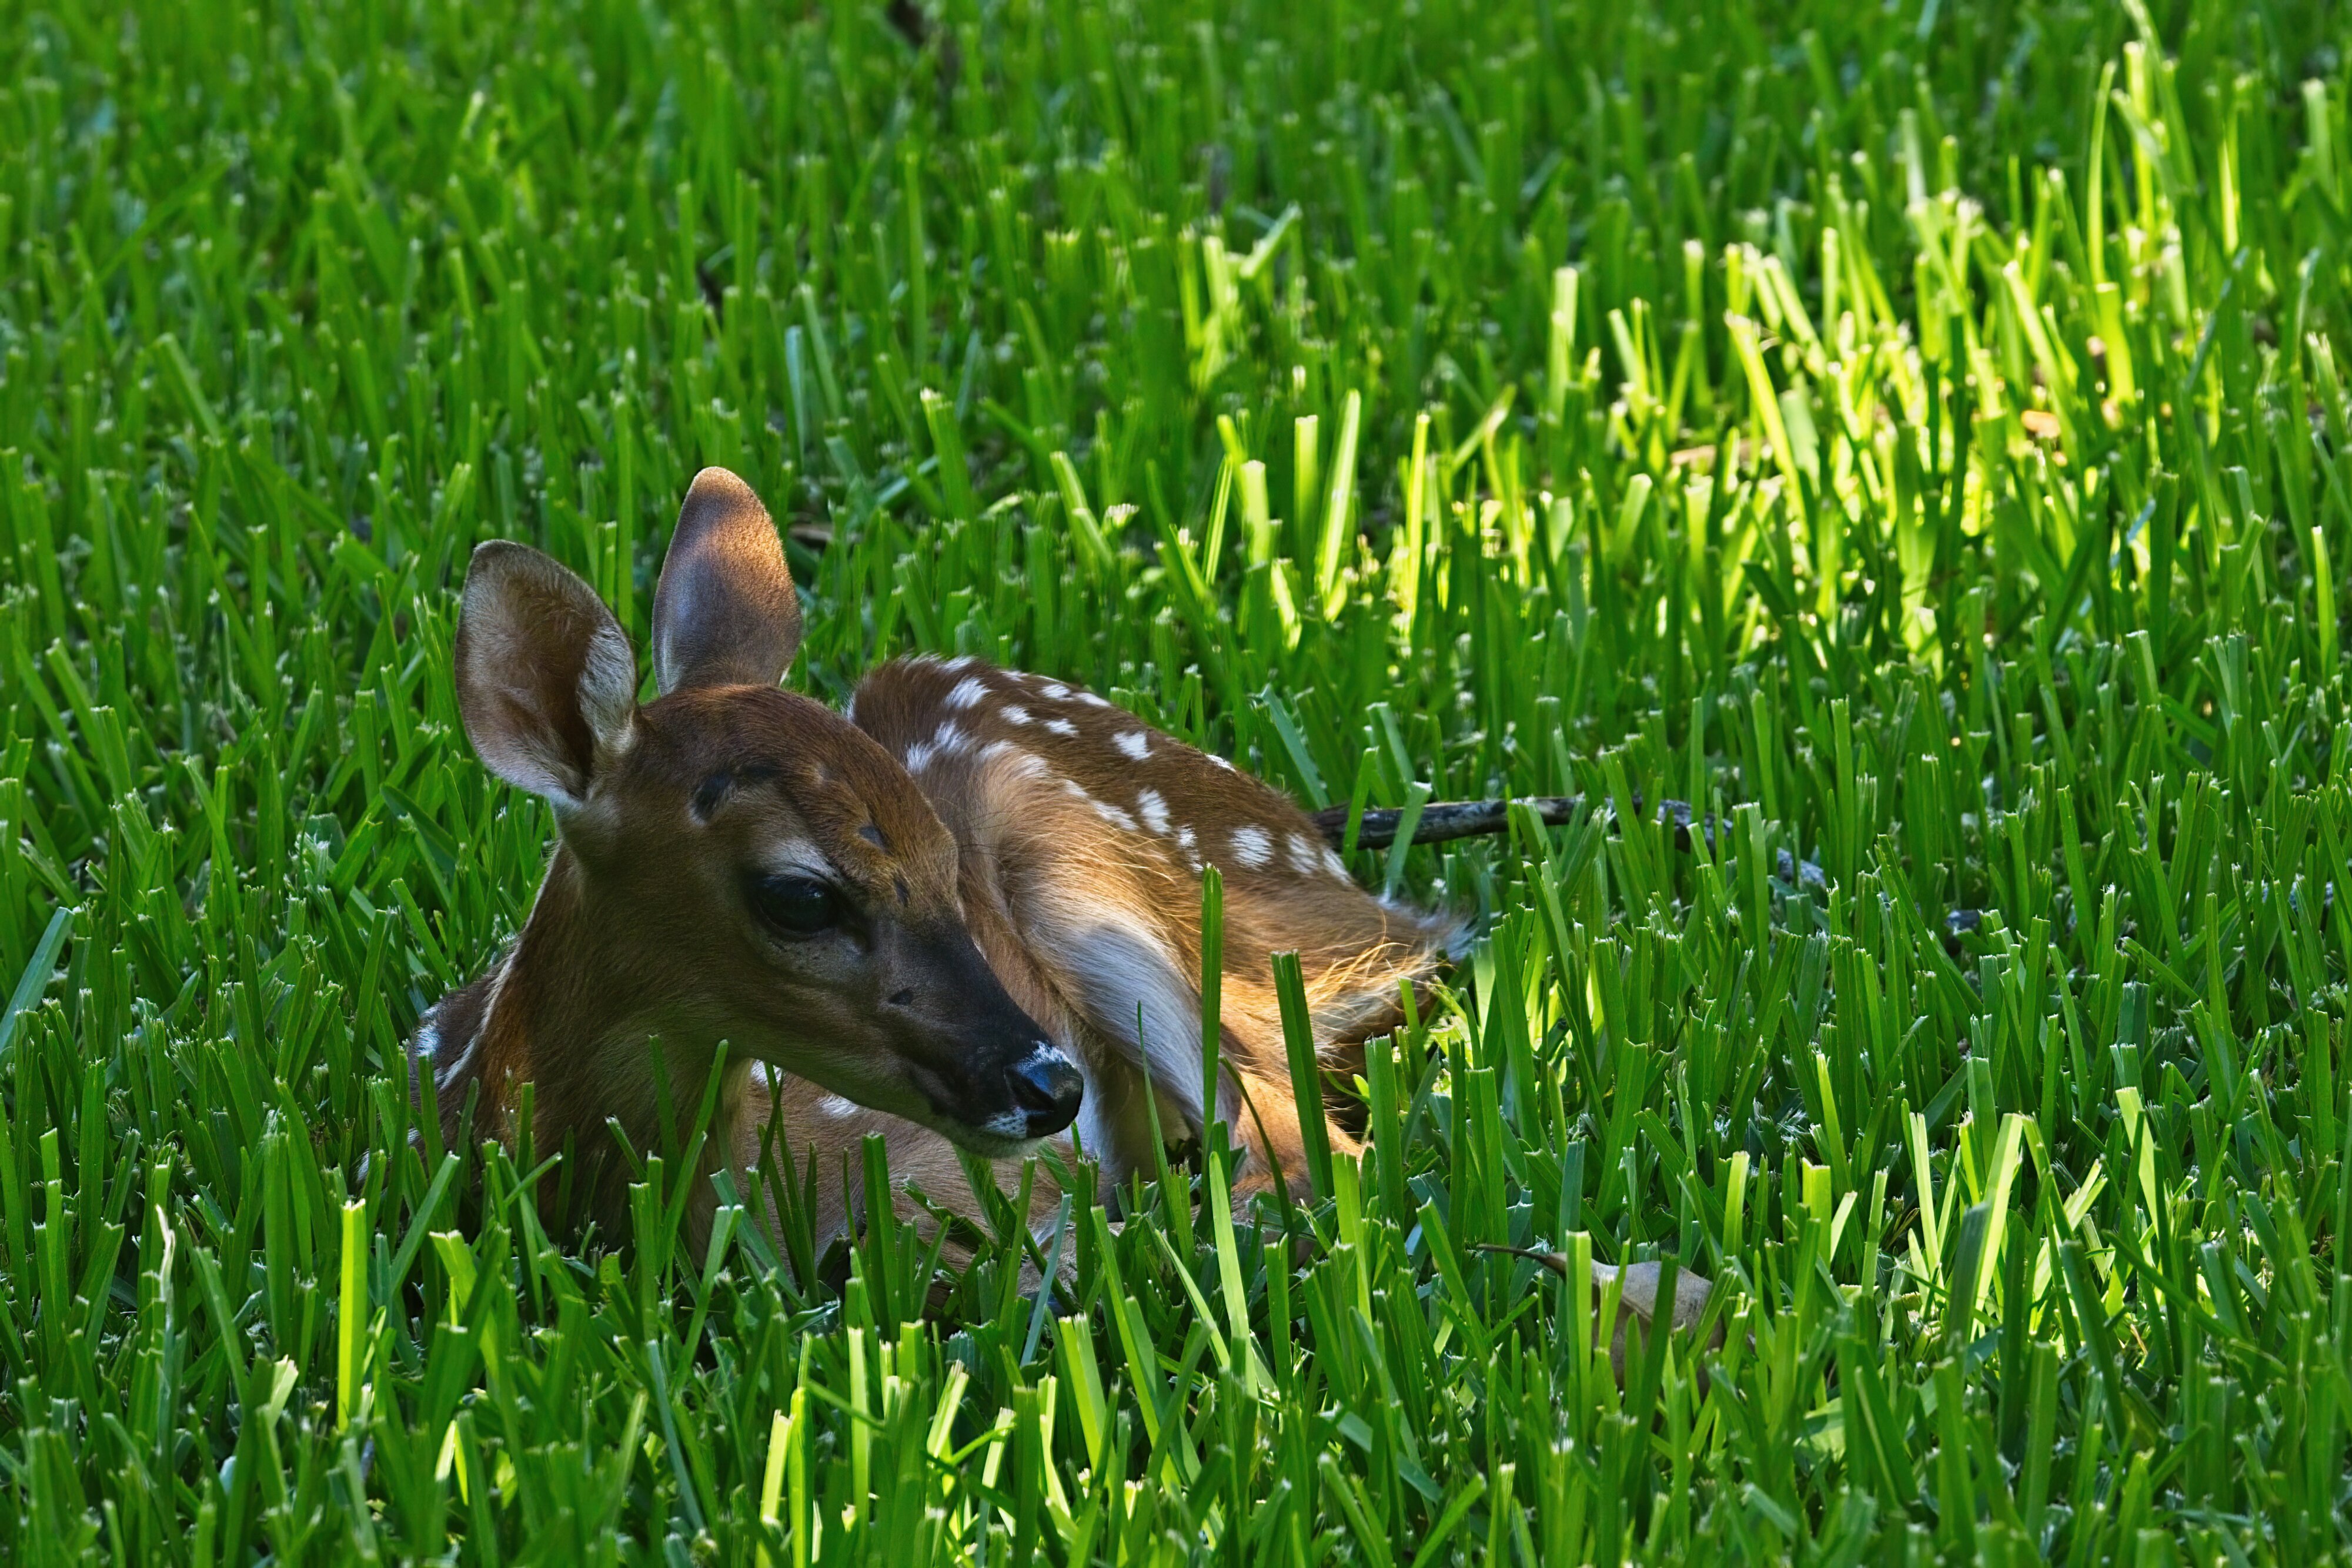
(545,678)
(724,612)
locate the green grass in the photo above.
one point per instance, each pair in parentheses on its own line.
(1912,434)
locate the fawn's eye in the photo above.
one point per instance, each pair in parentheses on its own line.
(796,905)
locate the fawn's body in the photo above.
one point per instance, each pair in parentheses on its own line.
(1082,835)
(1020,858)
(966,913)
(1078,874)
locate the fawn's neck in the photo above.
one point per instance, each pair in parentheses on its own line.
(561,1015)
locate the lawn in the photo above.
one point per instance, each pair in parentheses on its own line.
(1910,433)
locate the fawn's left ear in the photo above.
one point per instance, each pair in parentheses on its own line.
(725,613)
(546,682)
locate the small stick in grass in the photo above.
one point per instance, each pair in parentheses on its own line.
(1442,822)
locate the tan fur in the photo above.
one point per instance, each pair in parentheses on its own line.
(1046,856)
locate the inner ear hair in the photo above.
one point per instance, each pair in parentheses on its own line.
(725,613)
(546,681)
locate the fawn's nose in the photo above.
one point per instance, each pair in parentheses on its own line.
(1047,1087)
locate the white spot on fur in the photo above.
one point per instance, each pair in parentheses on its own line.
(1184,839)
(960,662)
(1251,847)
(849,709)
(1091,700)
(919,756)
(838,1108)
(1117,816)
(949,740)
(1054,691)
(1135,743)
(1218,760)
(1152,810)
(1020,764)
(1061,726)
(1303,859)
(1015,713)
(969,692)
(1334,864)
(427,1043)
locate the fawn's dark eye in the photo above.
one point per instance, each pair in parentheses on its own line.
(796,905)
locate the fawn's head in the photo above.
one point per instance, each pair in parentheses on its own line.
(745,864)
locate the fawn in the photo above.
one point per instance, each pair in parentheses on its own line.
(965,911)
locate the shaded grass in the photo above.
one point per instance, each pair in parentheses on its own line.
(1912,436)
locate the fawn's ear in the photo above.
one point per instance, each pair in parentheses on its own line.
(545,678)
(725,613)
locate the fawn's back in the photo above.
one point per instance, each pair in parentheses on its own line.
(1083,834)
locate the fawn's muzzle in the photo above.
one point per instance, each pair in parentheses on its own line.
(1047,1087)
(994,1079)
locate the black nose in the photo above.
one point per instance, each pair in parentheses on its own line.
(1047,1086)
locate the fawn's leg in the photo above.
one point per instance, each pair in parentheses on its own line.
(1268,1123)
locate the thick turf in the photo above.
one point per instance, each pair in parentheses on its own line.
(1909,433)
